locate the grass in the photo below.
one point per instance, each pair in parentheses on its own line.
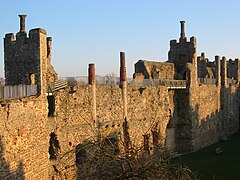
(208,165)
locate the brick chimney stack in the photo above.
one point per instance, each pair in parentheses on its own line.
(91,74)
(22,23)
(182,35)
(123,81)
(123,76)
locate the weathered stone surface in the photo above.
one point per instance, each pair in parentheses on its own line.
(155,70)
(35,146)
(27,56)
(24,139)
(180,54)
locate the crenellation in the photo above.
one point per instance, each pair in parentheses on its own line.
(173,42)
(182,53)
(28,57)
(193,41)
(37,31)
(203,56)
(232,69)
(9,38)
(40,135)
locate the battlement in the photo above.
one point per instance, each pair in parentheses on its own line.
(33,33)
(182,52)
(27,59)
(224,71)
(187,103)
(9,37)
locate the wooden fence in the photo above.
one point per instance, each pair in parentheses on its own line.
(17,91)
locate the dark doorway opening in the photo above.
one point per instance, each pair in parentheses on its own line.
(51,106)
(54,146)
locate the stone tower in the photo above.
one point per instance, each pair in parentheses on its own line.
(181,53)
(27,59)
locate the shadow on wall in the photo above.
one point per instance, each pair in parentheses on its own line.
(5,171)
(187,132)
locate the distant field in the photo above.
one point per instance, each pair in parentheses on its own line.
(209,165)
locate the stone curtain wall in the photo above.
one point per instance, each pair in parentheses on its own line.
(230,119)
(25,130)
(205,113)
(214,114)
(24,139)
(148,108)
(147,111)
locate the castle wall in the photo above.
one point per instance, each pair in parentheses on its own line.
(211,114)
(147,108)
(206,119)
(38,138)
(155,70)
(24,139)
(214,114)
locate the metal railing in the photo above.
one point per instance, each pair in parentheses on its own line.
(100,80)
(206,81)
(17,91)
(60,84)
(213,81)
(171,84)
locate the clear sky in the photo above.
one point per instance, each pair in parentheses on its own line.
(95,31)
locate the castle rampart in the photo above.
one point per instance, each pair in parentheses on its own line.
(39,135)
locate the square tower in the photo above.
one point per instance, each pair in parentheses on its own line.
(181,53)
(26,59)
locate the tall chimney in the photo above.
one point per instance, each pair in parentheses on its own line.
(123,81)
(91,74)
(182,35)
(22,23)
(123,76)
(92,83)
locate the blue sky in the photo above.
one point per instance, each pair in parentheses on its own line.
(95,31)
